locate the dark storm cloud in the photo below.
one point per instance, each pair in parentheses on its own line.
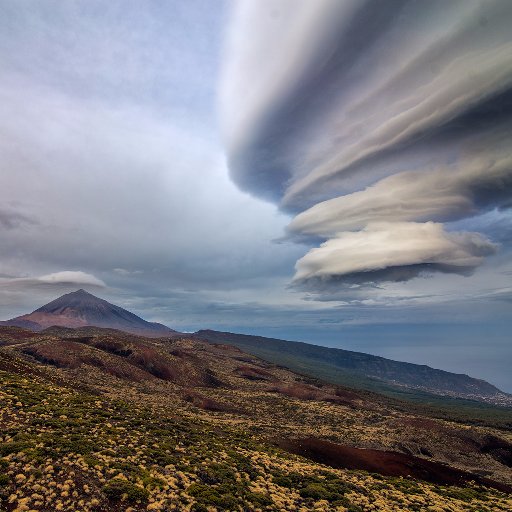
(350,114)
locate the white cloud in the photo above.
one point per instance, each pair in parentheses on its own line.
(71,277)
(393,251)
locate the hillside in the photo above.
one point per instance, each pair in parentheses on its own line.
(360,370)
(421,383)
(98,420)
(79,309)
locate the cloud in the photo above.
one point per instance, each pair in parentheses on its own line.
(126,272)
(71,277)
(65,277)
(165,210)
(393,251)
(476,182)
(372,122)
(11,219)
(109,141)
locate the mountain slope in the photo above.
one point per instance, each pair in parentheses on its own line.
(363,371)
(80,309)
(357,369)
(177,423)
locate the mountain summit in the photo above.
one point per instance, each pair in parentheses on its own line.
(80,309)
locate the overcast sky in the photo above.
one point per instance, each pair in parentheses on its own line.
(338,172)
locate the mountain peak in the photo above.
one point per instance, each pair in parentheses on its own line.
(79,300)
(80,309)
(81,291)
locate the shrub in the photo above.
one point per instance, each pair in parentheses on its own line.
(8,448)
(291,480)
(218,497)
(259,499)
(244,464)
(153,483)
(315,492)
(216,473)
(329,488)
(198,507)
(117,490)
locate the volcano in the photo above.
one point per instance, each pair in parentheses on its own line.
(81,309)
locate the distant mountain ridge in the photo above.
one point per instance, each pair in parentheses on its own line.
(81,309)
(360,370)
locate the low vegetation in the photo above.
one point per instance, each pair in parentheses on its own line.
(82,439)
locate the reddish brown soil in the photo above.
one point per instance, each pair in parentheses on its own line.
(183,353)
(117,354)
(347,395)
(384,462)
(252,373)
(68,354)
(469,441)
(48,320)
(227,348)
(16,333)
(207,404)
(142,356)
(11,364)
(308,392)
(298,390)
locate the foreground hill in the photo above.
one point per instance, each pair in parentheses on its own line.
(360,370)
(80,308)
(98,420)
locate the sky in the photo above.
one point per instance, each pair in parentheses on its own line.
(336,172)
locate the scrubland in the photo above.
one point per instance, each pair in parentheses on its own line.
(77,436)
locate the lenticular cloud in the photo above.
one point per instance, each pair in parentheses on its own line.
(376,124)
(394,251)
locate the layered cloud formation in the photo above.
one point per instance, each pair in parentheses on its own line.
(377,124)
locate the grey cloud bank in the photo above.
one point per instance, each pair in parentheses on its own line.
(353,113)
